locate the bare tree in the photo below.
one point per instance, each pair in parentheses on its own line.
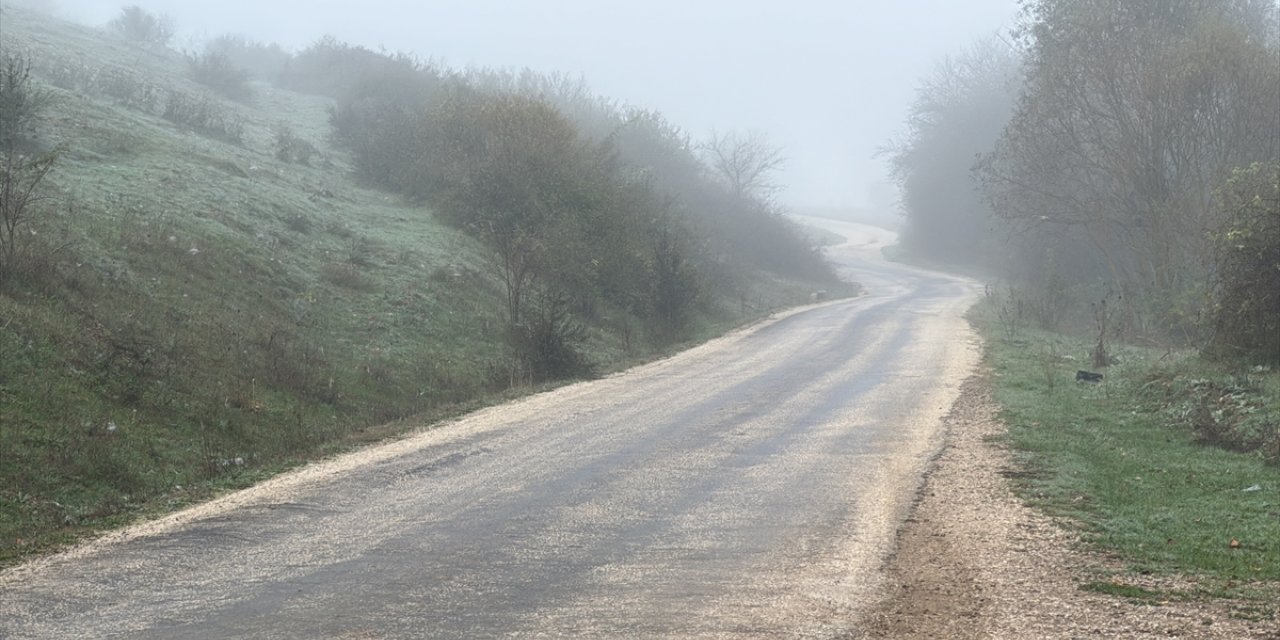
(20,179)
(746,162)
(1119,142)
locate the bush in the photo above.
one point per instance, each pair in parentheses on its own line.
(20,103)
(202,114)
(348,276)
(292,149)
(136,24)
(380,100)
(346,72)
(262,61)
(560,210)
(298,222)
(386,144)
(545,342)
(216,71)
(1246,313)
(674,284)
(1225,416)
(129,88)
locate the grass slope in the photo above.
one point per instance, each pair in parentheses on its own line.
(207,314)
(1123,460)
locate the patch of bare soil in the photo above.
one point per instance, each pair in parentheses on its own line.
(974,562)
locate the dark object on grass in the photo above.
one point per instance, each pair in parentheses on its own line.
(1086,376)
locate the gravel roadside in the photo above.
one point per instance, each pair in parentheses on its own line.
(974,562)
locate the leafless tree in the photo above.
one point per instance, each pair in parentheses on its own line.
(1122,141)
(20,179)
(746,162)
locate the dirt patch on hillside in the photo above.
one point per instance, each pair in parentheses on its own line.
(974,562)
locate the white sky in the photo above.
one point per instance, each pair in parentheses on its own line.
(828,81)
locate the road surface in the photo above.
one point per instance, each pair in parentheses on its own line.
(748,488)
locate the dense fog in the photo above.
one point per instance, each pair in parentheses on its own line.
(827,81)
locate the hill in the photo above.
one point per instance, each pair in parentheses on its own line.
(207,293)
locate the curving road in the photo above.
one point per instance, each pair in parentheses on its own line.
(748,488)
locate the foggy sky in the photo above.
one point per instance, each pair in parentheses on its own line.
(829,81)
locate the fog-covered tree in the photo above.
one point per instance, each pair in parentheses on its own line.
(20,100)
(746,162)
(21,171)
(263,61)
(217,71)
(1246,311)
(959,112)
(508,177)
(140,25)
(740,229)
(1134,112)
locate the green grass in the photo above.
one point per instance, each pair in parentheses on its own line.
(1124,591)
(216,315)
(1122,461)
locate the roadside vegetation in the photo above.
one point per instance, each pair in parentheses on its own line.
(1144,170)
(1168,464)
(1122,197)
(216,265)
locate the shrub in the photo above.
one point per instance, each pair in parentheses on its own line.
(292,149)
(20,103)
(673,283)
(545,341)
(299,222)
(126,86)
(202,114)
(129,88)
(294,365)
(559,209)
(1246,311)
(380,99)
(262,61)
(348,276)
(386,144)
(360,251)
(136,24)
(216,71)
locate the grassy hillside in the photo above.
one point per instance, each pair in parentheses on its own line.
(198,311)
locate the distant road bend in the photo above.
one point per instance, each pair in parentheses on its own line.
(748,488)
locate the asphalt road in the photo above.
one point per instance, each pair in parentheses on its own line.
(748,488)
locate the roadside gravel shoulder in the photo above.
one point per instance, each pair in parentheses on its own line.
(972,561)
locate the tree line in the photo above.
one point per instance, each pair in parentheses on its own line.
(591,208)
(1114,149)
